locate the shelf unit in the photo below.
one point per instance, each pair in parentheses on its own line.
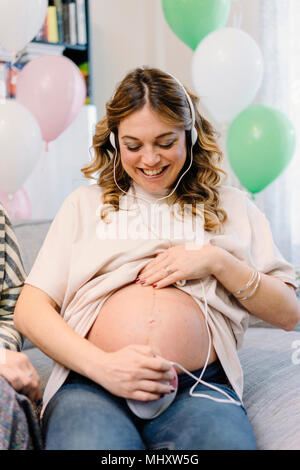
(79,54)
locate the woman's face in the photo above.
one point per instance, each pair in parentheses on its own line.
(148,143)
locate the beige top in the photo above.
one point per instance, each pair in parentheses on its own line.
(80,268)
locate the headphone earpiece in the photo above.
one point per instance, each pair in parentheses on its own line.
(194,135)
(112,140)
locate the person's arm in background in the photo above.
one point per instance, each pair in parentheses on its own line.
(15,366)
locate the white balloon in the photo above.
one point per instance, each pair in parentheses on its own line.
(227,71)
(20,21)
(21,145)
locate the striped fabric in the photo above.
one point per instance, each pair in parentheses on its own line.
(12,276)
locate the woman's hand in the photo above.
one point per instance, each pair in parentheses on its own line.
(185,261)
(17,369)
(134,372)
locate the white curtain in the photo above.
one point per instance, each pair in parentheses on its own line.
(279,43)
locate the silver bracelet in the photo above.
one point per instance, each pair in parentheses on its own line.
(248,284)
(254,290)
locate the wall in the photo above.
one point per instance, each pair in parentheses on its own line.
(125,34)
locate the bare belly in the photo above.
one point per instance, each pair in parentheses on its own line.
(167,319)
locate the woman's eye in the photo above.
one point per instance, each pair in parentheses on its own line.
(166,146)
(133,149)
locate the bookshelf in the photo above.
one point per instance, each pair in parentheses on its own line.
(64,32)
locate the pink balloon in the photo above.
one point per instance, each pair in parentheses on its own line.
(54,90)
(18,205)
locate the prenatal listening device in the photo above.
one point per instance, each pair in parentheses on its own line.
(152,409)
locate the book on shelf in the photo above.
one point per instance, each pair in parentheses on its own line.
(65,23)
(72,22)
(52,26)
(81,22)
(60,24)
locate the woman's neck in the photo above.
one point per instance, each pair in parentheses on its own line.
(150,196)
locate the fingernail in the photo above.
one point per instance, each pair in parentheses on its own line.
(137,279)
(143,282)
(172,390)
(154,285)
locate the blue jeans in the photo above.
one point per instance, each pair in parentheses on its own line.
(82,415)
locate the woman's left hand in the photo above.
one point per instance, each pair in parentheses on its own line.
(17,369)
(185,261)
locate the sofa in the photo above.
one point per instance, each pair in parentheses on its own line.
(270,358)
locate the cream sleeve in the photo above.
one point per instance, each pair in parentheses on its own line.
(51,268)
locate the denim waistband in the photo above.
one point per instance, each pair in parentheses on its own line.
(214,372)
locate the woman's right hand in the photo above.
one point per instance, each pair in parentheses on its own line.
(135,372)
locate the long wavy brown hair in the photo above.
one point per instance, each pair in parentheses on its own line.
(166,97)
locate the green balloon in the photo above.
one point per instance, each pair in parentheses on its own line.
(261,142)
(192,20)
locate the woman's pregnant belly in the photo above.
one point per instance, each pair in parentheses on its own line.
(167,319)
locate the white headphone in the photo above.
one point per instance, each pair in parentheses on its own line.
(194,133)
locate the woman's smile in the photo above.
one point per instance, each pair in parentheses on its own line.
(150,174)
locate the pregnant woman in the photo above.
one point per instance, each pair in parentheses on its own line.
(124,302)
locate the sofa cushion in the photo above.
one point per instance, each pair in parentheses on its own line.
(30,235)
(270,360)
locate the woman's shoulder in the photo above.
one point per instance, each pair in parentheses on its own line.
(85,192)
(231,191)
(232,195)
(236,202)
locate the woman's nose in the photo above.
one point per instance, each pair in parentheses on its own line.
(150,157)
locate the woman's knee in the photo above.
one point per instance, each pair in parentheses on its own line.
(228,429)
(81,419)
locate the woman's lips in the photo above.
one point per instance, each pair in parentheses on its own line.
(153,176)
